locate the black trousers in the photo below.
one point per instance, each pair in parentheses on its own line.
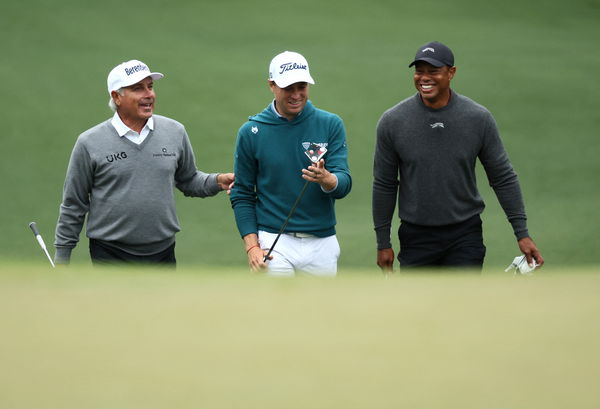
(455,245)
(103,254)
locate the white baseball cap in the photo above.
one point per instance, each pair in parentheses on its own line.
(288,68)
(129,73)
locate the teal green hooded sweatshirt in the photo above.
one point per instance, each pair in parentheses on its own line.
(269,158)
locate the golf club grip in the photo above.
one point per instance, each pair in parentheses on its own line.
(34,228)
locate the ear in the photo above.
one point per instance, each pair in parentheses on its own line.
(272,85)
(116,97)
(451,72)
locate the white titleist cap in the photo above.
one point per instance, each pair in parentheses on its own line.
(288,68)
(129,73)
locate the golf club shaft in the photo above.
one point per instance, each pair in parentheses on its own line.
(48,255)
(287,219)
(40,241)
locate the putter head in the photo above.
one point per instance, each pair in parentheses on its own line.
(314,151)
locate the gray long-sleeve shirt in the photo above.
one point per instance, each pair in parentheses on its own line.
(426,158)
(126,190)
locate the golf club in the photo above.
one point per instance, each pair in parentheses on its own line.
(287,219)
(40,240)
(314,153)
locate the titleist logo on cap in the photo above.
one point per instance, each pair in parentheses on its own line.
(136,68)
(291,66)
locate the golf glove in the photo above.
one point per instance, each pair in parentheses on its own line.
(520,266)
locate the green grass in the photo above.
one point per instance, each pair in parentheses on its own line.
(216,338)
(529,62)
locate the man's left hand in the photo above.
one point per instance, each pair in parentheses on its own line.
(318,174)
(531,251)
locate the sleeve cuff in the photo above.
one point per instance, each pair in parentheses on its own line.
(214,185)
(335,187)
(522,234)
(62,255)
(383,239)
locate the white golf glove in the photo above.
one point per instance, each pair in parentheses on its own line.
(521,267)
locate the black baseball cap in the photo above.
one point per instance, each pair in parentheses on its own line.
(435,53)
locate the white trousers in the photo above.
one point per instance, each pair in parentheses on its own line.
(311,255)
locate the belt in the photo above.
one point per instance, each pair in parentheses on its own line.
(301,235)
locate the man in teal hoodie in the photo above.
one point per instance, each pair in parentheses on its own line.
(271,168)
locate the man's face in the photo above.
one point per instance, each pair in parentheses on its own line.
(290,101)
(137,102)
(433,83)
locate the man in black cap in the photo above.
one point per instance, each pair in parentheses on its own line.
(425,155)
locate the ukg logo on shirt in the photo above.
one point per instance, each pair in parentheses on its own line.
(116,156)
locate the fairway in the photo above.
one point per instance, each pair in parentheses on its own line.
(92,338)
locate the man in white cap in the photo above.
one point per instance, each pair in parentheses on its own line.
(289,146)
(122,174)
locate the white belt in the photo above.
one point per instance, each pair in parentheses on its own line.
(301,235)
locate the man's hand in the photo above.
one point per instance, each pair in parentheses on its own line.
(385,260)
(225,181)
(318,174)
(256,254)
(531,251)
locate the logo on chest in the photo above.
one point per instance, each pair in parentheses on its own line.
(165,153)
(314,151)
(116,156)
(437,125)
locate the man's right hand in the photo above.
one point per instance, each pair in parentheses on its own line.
(256,255)
(385,260)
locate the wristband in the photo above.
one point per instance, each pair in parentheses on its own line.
(251,247)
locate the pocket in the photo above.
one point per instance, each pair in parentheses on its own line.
(265,239)
(405,233)
(338,250)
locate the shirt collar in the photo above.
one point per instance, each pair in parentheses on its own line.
(122,129)
(275,109)
(278,114)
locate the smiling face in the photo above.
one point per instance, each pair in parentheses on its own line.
(433,83)
(290,101)
(136,104)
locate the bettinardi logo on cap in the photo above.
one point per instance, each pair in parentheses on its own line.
(428,49)
(136,68)
(289,66)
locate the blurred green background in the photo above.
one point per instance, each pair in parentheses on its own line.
(533,64)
